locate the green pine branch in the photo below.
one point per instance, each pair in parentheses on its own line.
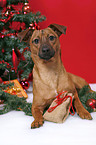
(15,2)
(29,18)
(12,102)
(84,95)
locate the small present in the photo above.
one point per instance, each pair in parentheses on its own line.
(60,108)
(16,89)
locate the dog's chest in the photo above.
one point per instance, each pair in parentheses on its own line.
(49,78)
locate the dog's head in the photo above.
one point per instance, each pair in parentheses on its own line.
(43,43)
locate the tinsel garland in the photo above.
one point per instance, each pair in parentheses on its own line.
(12,102)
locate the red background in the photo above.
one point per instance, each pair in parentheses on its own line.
(79,44)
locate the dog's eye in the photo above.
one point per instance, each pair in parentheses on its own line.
(36,41)
(51,38)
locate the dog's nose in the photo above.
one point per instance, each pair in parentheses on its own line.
(45,50)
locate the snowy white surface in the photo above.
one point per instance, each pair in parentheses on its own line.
(15,130)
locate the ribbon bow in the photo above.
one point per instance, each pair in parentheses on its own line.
(59,101)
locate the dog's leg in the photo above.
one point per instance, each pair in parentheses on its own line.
(81,111)
(38,118)
(78,81)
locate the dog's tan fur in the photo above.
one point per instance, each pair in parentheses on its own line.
(50,76)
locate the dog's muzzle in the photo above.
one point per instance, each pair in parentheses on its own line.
(46,52)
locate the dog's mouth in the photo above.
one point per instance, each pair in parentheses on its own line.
(46,53)
(46,57)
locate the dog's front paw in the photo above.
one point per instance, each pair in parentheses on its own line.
(37,123)
(84,114)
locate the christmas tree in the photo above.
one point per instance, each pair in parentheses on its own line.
(15,59)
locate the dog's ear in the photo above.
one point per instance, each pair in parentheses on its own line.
(59,29)
(25,35)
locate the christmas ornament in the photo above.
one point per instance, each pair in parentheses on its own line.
(91,103)
(26,8)
(34,26)
(25,84)
(31,26)
(14,60)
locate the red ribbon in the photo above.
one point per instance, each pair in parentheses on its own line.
(60,100)
(21,55)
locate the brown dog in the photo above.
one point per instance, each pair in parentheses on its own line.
(49,74)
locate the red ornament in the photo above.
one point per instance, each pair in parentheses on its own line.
(91,103)
(14,60)
(26,8)
(25,84)
(31,26)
